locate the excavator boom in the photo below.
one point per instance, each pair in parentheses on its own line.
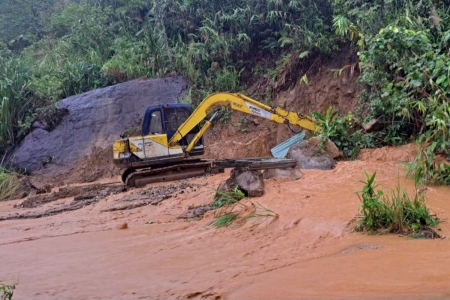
(244,104)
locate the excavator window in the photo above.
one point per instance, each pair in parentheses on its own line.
(174,117)
(156,122)
(166,119)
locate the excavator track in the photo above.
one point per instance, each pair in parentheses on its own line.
(199,167)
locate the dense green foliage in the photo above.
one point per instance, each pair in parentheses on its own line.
(397,213)
(52,49)
(342,131)
(404,56)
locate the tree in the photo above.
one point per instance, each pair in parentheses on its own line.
(23,21)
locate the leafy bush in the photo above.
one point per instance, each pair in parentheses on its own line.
(403,49)
(6,291)
(394,213)
(343,132)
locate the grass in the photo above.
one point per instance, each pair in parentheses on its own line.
(224,220)
(226,202)
(396,212)
(262,214)
(222,199)
(9,184)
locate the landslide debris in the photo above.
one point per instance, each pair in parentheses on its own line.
(90,194)
(151,196)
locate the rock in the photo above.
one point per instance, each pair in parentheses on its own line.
(226,186)
(310,156)
(38,124)
(41,186)
(122,226)
(250,182)
(89,123)
(291,173)
(195,211)
(373,125)
(330,147)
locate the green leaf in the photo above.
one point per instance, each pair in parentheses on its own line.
(303,54)
(416,83)
(441,79)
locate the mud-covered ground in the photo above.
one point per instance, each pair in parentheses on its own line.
(148,243)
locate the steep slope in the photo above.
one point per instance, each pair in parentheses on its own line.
(244,136)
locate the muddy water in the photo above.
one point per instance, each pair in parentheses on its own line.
(309,251)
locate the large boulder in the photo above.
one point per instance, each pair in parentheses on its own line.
(310,156)
(250,182)
(77,147)
(330,147)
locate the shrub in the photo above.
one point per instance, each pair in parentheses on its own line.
(394,213)
(342,131)
(6,291)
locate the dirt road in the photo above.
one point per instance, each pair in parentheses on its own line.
(309,251)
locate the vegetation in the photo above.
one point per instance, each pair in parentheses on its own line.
(53,49)
(343,132)
(226,204)
(6,291)
(403,49)
(224,220)
(223,199)
(9,184)
(397,212)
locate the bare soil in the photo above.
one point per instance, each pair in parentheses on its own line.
(309,251)
(248,136)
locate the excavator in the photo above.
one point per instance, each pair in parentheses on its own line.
(172,138)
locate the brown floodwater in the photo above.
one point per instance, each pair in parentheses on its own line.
(310,251)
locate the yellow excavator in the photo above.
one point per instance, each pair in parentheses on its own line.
(171,136)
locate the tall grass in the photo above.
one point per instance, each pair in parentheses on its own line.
(9,184)
(14,79)
(396,212)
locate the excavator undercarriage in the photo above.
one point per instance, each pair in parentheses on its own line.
(198,167)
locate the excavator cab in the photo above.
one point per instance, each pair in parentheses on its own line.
(159,124)
(166,119)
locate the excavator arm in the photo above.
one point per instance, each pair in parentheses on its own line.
(237,102)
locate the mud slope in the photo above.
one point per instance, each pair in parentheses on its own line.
(244,136)
(309,252)
(79,147)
